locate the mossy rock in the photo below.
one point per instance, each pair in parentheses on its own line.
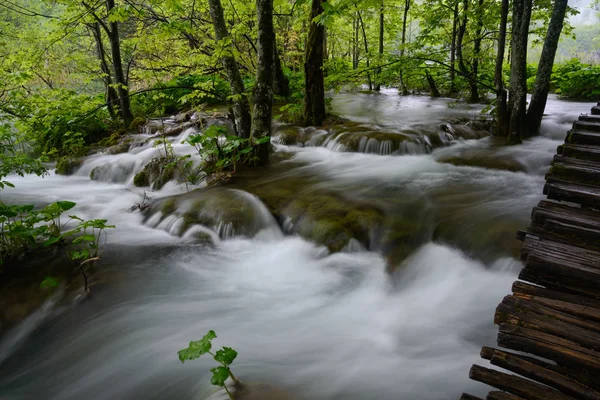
(155,174)
(67,166)
(483,158)
(141,179)
(288,135)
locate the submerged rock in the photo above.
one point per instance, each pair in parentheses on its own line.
(155,174)
(68,166)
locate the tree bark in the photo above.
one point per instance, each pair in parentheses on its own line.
(433,90)
(501,106)
(364,34)
(381,32)
(403,42)
(453,51)
(314,100)
(263,90)
(462,28)
(518,69)
(541,86)
(474,97)
(110,94)
(281,84)
(122,88)
(241,107)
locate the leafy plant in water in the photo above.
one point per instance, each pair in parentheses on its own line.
(225,356)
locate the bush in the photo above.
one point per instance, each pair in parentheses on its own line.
(575,80)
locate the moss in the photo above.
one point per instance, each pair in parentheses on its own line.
(67,166)
(168,206)
(136,123)
(487,161)
(289,136)
(141,179)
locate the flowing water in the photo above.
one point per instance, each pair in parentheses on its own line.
(320,325)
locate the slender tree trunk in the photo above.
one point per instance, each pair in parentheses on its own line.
(501,106)
(241,107)
(403,42)
(314,100)
(355,49)
(281,84)
(462,29)
(263,90)
(364,34)
(541,86)
(518,69)
(381,32)
(110,95)
(433,90)
(115,47)
(474,98)
(453,51)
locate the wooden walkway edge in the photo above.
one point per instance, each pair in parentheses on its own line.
(550,325)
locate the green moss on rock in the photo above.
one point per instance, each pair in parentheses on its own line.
(67,166)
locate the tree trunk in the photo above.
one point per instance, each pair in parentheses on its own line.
(364,34)
(381,32)
(281,84)
(501,106)
(403,42)
(263,90)
(241,108)
(110,95)
(544,72)
(314,100)
(518,70)
(433,90)
(122,88)
(474,98)
(462,28)
(453,51)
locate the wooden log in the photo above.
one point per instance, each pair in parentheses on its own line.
(596,110)
(496,395)
(561,159)
(566,303)
(589,126)
(544,323)
(589,118)
(581,152)
(561,351)
(549,249)
(588,175)
(515,384)
(583,137)
(539,371)
(467,396)
(551,282)
(575,193)
(567,270)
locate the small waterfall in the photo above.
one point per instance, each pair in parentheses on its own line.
(225,230)
(172,224)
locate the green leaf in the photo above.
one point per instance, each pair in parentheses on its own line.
(65,205)
(52,240)
(220,375)
(197,348)
(226,355)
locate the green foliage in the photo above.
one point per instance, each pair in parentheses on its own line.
(87,238)
(50,282)
(225,356)
(577,81)
(13,159)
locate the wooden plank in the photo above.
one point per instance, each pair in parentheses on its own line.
(561,252)
(509,314)
(467,396)
(589,118)
(515,384)
(568,304)
(596,110)
(561,351)
(551,282)
(575,193)
(568,270)
(583,137)
(589,126)
(525,366)
(576,173)
(558,158)
(496,395)
(581,152)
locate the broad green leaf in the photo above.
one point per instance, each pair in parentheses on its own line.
(226,355)
(220,375)
(197,348)
(65,205)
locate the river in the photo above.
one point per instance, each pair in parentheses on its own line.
(320,325)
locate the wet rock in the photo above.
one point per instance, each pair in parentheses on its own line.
(155,174)
(261,391)
(483,158)
(68,166)
(118,172)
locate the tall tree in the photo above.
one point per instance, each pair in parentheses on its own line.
(241,107)
(517,101)
(403,44)
(314,100)
(474,96)
(381,33)
(263,90)
(501,95)
(541,86)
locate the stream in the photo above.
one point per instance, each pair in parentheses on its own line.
(368,322)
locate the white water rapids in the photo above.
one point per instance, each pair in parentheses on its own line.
(321,326)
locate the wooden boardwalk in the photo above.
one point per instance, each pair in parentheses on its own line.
(550,325)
